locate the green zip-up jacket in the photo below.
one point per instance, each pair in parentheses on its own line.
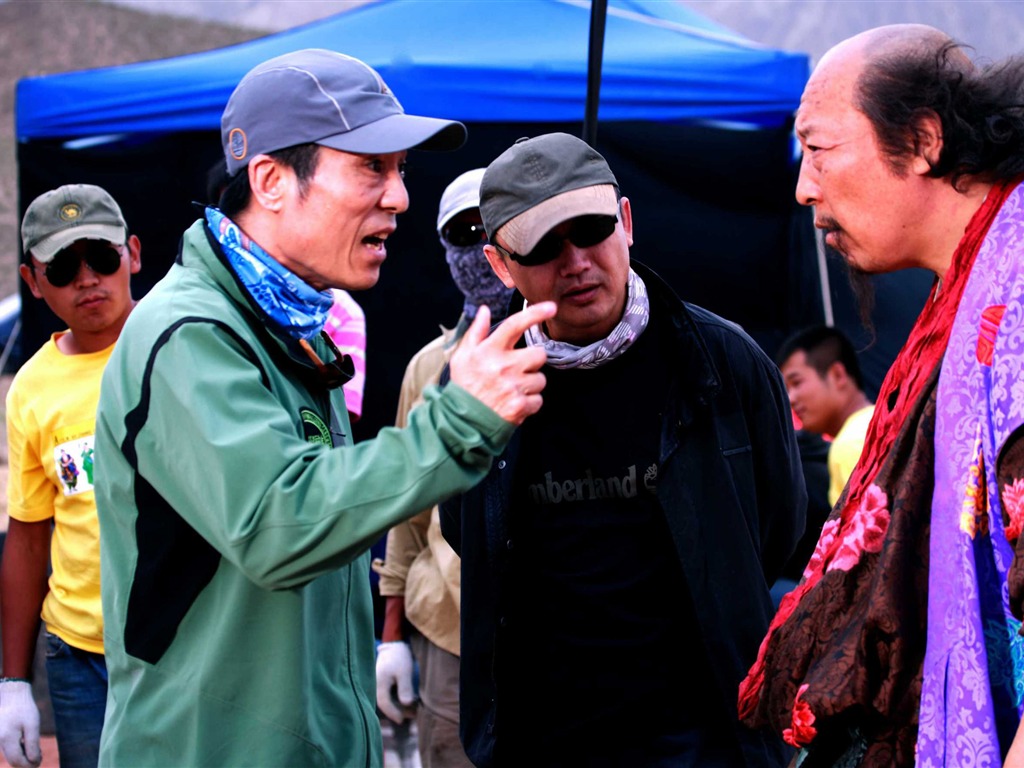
(235,518)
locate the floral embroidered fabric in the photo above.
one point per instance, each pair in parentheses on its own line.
(848,645)
(974,666)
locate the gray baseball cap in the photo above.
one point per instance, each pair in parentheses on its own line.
(461,195)
(536,184)
(316,96)
(57,218)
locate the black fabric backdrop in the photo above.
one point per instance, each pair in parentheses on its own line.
(713,213)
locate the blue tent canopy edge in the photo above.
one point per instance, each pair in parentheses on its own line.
(522,61)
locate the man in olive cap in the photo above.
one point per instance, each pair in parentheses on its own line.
(236,512)
(79,258)
(616,560)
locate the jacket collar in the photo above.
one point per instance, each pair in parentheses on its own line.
(699,376)
(696,367)
(199,243)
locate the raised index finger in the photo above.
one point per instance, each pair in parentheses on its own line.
(507,334)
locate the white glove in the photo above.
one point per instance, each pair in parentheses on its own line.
(19,724)
(394,669)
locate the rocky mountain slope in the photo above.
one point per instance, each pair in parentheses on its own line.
(40,37)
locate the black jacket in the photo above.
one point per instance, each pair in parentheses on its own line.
(733,493)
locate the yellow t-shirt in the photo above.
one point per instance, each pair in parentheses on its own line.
(845,451)
(51,421)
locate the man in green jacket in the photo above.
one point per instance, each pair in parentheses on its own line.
(235,512)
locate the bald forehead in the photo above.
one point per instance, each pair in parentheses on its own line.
(876,43)
(829,93)
(839,70)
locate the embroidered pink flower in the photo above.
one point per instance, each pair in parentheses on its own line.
(1013,505)
(864,531)
(825,538)
(803,731)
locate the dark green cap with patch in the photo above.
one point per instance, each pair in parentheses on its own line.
(536,184)
(57,218)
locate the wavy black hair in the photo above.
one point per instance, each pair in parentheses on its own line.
(981,110)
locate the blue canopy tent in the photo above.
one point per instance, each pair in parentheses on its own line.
(493,62)
(695,121)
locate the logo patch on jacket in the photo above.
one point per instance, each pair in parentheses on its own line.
(314,429)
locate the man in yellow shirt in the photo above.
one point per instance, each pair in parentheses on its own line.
(78,258)
(826,390)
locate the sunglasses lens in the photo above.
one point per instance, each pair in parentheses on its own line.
(584,232)
(62,269)
(591,230)
(546,249)
(460,234)
(102,259)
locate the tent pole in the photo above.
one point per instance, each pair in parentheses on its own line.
(595,55)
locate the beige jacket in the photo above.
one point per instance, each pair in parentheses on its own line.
(418,563)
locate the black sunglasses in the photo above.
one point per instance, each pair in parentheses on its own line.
(462,234)
(584,232)
(102,258)
(335,373)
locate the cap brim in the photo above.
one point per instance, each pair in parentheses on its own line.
(396,133)
(522,233)
(452,214)
(462,194)
(47,248)
(467,202)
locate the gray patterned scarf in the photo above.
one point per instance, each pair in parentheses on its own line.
(561,354)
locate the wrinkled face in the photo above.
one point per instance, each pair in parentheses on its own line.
(866,210)
(812,396)
(333,235)
(588,284)
(92,303)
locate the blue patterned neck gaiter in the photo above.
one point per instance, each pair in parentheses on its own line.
(475,278)
(293,305)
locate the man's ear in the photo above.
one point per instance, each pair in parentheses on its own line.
(134,255)
(626,216)
(29,276)
(837,375)
(269,181)
(497,262)
(928,143)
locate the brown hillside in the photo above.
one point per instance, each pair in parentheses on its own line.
(40,37)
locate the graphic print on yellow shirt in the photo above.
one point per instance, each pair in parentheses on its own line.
(73,457)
